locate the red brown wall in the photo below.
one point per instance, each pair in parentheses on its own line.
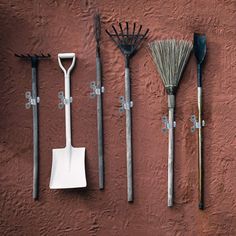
(67,26)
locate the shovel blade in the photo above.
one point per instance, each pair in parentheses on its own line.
(68,168)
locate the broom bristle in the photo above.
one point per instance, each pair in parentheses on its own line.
(170,57)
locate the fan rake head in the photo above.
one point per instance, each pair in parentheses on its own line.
(128,40)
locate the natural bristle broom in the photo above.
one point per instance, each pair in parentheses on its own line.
(170,57)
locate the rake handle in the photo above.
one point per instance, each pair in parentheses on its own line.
(200,142)
(35,131)
(171,105)
(99,123)
(128,133)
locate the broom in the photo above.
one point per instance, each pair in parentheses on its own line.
(170,58)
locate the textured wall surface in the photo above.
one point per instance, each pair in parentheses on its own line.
(67,26)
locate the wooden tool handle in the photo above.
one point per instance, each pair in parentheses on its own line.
(171,105)
(35,135)
(100,124)
(128,134)
(200,153)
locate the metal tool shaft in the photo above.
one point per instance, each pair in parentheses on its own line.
(100,122)
(128,132)
(200,142)
(35,130)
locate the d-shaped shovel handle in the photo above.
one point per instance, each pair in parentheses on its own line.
(66,56)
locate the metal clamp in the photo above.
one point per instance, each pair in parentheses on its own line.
(96,90)
(167,125)
(31,101)
(125,105)
(63,100)
(196,124)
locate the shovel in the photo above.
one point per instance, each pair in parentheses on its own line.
(200,52)
(68,164)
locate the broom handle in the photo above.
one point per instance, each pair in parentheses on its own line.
(200,141)
(99,123)
(34,62)
(128,133)
(171,105)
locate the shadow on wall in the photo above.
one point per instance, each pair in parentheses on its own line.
(14,123)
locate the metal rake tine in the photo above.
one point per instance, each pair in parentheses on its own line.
(127,32)
(45,56)
(111,37)
(122,32)
(139,41)
(137,35)
(117,35)
(132,37)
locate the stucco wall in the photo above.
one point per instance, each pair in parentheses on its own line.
(67,26)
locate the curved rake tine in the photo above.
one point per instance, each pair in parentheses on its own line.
(139,42)
(127,32)
(122,32)
(117,35)
(140,39)
(137,35)
(111,37)
(132,38)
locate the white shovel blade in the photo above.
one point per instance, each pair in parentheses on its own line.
(68,168)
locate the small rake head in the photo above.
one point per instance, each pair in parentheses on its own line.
(128,40)
(170,57)
(34,58)
(30,56)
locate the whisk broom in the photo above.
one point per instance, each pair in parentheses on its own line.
(170,58)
